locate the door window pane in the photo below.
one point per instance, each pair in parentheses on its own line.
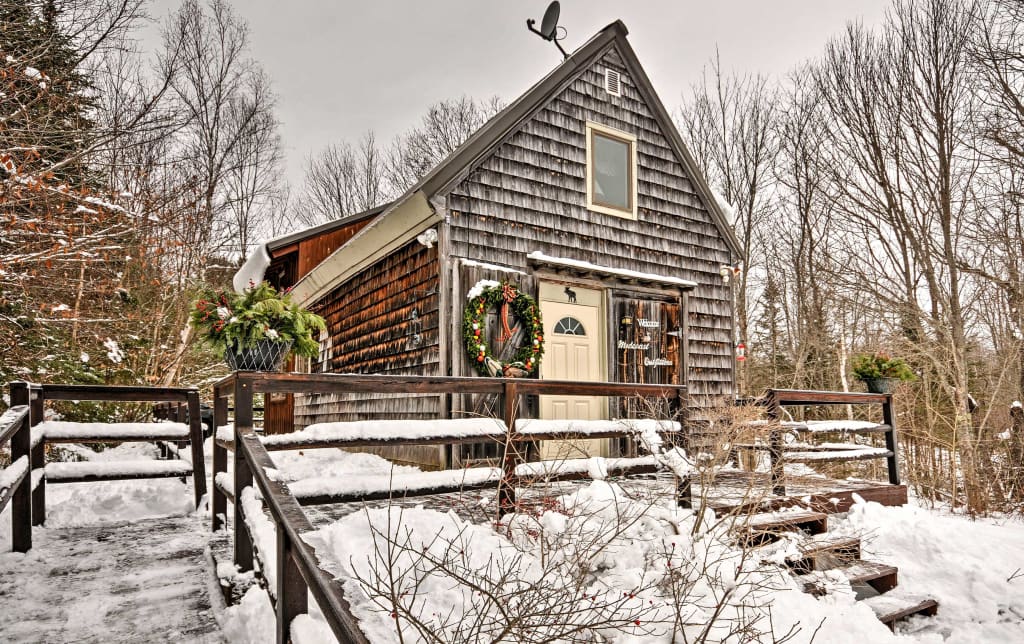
(569,326)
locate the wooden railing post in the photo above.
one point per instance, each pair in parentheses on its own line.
(292,592)
(21,500)
(889,418)
(38,460)
(219,502)
(775,446)
(511,458)
(195,431)
(678,412)
(243,475)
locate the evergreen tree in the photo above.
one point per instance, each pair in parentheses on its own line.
(47,98)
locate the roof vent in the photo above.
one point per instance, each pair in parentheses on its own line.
(612,82)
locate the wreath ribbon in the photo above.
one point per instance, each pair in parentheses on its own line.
(508,294)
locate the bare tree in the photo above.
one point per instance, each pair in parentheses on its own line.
(229,126)
(444,127)
(342,180)
(729,124)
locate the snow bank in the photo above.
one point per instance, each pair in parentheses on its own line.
(600,564)
(252,620)
(95,503)
(357,546)
(972,568)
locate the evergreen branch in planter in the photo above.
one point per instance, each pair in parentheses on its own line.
(872,366)
(228,318)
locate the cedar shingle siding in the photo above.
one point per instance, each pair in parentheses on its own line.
(531,194)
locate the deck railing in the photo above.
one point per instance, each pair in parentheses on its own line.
(297,569)
(16,479)
(29,400)
(777,399)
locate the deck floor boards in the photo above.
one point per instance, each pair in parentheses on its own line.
(145,581)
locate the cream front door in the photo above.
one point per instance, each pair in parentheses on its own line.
(573,339)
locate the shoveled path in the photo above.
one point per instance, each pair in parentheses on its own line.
(146,581)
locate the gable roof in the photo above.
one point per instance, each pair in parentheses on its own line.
(485,140)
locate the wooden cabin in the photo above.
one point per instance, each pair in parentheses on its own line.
(582,194)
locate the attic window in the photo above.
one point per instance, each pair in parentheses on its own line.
(612,82)
(611,171)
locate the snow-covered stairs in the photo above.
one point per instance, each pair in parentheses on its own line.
(822,560)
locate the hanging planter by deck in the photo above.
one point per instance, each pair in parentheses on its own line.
(880,372)
(265,355)
(256,329)
(880,385)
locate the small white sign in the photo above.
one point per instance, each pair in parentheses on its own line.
(657,362)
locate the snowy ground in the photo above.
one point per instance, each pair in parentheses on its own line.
(464,574)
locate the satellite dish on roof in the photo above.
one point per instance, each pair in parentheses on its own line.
(550,22)
(549,26)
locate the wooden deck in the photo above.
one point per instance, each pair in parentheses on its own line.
(131,582)
(731,491)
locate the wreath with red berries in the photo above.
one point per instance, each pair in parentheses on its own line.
(505,297)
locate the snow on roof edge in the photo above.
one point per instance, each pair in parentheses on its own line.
(253,269)
(622,272)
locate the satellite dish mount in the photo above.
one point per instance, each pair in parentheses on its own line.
(549,27)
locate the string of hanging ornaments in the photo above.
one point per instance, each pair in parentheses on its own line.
(506,298)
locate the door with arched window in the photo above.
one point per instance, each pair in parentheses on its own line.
(573,338)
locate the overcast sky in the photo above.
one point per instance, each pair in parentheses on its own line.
(342,67)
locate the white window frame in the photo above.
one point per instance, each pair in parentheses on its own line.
(625,137)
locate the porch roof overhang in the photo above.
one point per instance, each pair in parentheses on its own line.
(584,268)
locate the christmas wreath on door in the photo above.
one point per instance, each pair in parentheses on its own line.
(508,298)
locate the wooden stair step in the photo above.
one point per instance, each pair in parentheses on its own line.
(115,471)
(763,528)
(891,608)
(879,576)
(824,551)
(806,520)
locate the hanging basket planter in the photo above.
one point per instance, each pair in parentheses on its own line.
(880,385)
(266,355)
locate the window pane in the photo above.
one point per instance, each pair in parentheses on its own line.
(569,326)
(611,172)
